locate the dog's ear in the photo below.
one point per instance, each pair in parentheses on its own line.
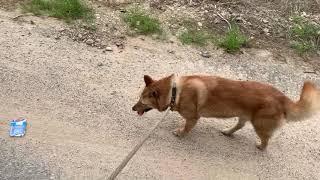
(148,80)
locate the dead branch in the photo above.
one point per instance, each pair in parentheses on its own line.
(224,19)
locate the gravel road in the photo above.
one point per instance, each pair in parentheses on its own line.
(78,100)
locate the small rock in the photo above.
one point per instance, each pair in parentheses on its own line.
(57,37)
(109,49)
(265,30)
(239,19)
(80,36)
(171,51)
(199,24)
(98,40)
(171,40)
(123,10)
(32,22)
(61,29)
(119,44)
(205,54)
(265,21)
(89,41)
(100,64)
(51,177)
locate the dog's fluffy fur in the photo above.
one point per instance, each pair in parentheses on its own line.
(211,96)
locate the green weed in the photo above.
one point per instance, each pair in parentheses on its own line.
(304,36)
(63,9)
(233,40)
(141,22)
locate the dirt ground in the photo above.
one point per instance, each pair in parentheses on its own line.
(78,100)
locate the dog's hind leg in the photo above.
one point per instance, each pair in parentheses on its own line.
(239,125)
(265,127)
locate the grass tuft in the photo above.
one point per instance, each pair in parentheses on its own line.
(141,22)
(233,40)
(193,34)
(196,37)
(304,35)
(62,9)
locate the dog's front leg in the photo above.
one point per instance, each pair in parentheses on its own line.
(190,123)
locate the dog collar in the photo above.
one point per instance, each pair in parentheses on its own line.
(173,95)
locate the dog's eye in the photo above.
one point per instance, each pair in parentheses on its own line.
(153,94)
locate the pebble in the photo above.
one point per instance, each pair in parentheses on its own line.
(265,30)
(171,51)
(89,41)
(57,37)
(205,54)
(109,49)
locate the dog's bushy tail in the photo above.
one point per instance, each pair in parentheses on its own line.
(306,106)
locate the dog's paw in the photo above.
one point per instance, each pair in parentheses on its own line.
(226,132)
(261,147)
(178,132)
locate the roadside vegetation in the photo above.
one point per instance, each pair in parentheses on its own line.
(304,36)
(195,35)
(141,22)
(67,10)
(233,40)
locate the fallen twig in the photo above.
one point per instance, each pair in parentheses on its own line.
(224,3)
(224,19)
(21,15)
(17,17)
(310,72)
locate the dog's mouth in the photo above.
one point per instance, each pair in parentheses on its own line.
(140,113)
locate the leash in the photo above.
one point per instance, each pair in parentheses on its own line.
(135,149)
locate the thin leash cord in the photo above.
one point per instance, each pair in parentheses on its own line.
(135,149)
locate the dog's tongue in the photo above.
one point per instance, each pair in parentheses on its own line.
(140,113)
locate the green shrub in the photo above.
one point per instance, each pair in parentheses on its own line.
(194,37)
(233,40)
(63,9)
(141,22)
(304,36)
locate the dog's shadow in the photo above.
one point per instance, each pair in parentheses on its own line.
(207,137)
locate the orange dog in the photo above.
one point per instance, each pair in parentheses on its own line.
(210,96)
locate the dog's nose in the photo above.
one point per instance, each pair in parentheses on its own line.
(134,108)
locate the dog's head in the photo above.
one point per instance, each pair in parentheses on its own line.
(153,96)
